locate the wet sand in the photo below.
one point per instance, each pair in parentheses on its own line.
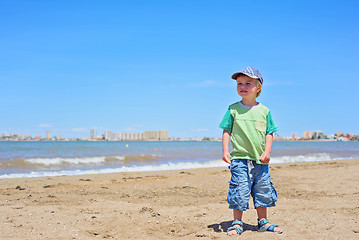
(318,200)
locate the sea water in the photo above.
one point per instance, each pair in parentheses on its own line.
(52,158)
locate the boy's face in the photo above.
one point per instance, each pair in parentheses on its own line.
(247,87)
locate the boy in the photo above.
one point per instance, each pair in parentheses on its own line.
(250,127)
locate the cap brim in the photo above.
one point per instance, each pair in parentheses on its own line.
(235,75)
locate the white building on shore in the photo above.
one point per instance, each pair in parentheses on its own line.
(156,135)
(148,135)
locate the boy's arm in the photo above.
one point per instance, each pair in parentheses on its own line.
(225,145)
(265,157)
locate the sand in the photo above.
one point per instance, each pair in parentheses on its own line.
(318,200)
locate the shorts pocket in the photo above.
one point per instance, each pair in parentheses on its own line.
(232,197)
(237,169)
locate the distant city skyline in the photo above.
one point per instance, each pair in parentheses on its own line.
(147,135)
(160,135)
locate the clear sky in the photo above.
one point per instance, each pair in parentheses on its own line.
(129,66)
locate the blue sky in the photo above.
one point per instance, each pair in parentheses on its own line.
(129,66)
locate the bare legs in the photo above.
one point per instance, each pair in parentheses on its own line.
(262,213)
(237,215)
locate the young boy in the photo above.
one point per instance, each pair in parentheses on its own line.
(250,127)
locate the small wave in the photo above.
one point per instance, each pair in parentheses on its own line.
(304,158)
(91,160)
(58,162)
(144,168)
(153,167)
(61,161)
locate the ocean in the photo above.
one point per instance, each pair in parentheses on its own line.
(37,159)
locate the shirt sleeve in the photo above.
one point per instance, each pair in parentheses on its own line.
(227,121)
(271,126)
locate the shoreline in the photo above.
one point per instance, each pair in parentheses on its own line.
(316,200)
(138,169)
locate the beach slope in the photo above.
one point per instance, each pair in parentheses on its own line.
(318,200)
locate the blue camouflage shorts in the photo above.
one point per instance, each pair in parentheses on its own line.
(249,178)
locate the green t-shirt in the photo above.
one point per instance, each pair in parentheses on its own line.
(248,127)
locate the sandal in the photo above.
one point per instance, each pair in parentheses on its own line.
(262,228)
(239,230)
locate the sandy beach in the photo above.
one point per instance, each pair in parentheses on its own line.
(317,200)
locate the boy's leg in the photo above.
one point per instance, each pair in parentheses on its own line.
(263,193)
(239,193)
(262,215)
(237,215)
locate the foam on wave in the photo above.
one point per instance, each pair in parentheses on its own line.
(150,167)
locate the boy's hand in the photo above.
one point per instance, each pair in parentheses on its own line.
(265,157)
(226,157)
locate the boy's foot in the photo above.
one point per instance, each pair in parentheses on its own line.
(264,225)
(236,229)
